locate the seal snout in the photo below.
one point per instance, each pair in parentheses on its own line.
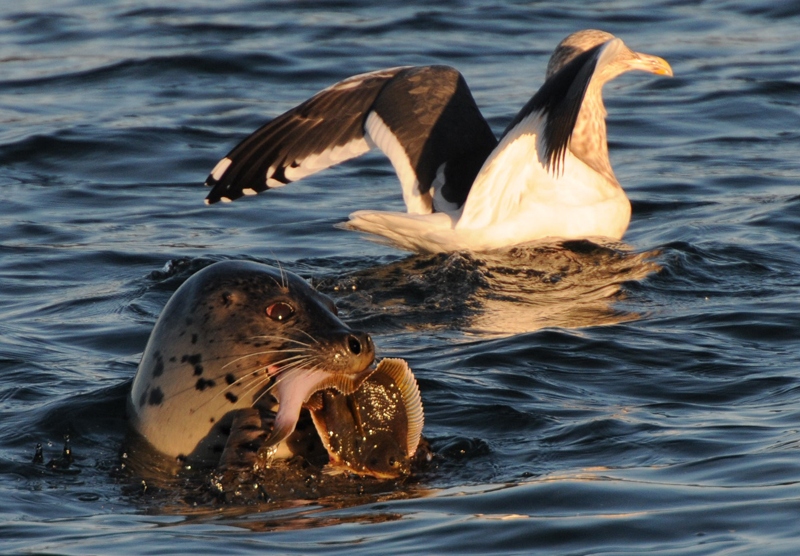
(358,342)
(356,351)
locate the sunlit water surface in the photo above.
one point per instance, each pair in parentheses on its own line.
(634,398)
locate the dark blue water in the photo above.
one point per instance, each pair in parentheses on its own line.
(581,400)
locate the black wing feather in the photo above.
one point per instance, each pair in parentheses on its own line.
(560,99)
(429,110)
(332,117)
(434,116)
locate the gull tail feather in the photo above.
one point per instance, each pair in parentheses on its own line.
(427,233)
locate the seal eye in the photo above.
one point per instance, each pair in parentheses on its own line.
(280,311)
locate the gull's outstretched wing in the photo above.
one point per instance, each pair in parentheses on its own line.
(423,118)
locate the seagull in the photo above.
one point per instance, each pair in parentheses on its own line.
(548,177)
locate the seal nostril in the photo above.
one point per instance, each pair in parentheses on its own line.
(353,345)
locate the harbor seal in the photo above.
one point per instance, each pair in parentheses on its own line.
(235,336)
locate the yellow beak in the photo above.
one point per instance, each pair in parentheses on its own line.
(651,64)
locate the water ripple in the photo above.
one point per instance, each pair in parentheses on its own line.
(581,398)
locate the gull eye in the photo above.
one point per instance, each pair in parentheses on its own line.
(280,311)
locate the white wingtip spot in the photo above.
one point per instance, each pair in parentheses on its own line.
(274,184)
(248,191)
(220,168)
(206,201)
(225,199)
(350,83)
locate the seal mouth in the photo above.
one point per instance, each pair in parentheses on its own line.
(308,368)
(296,388)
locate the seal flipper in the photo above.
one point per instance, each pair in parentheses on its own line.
(247,436)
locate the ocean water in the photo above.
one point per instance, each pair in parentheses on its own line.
(581,399)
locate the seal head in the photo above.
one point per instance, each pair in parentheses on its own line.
(240,335)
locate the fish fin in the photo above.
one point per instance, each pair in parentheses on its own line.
(314,403)
(349,383)
(335,470)
(399,371)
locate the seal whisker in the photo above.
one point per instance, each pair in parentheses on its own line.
(313,339)
(282,284)
(286,363)
(256,381)
(275,379)
(277,337)
(284,371)
(280,373)
(298,351)
(278,376)
(280,365)
(284,278)
(261,352)
(284,376)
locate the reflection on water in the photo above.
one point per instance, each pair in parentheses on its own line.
(572,284)
(298,515)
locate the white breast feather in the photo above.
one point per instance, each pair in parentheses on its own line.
(512,169)
(516,199)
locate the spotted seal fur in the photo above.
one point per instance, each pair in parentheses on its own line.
(239,335)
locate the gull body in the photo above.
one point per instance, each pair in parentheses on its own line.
(549,176)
